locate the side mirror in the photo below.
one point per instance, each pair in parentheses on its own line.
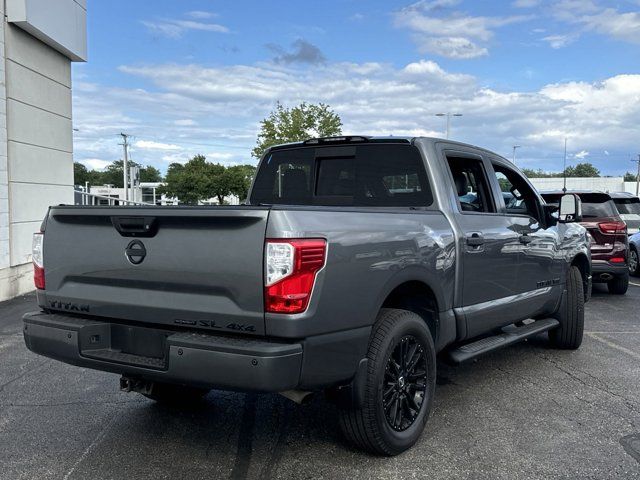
(570,209)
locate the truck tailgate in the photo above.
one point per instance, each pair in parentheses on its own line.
(191,266)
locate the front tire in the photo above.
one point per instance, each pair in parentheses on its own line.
(619,285)
(570,314)
(398,388)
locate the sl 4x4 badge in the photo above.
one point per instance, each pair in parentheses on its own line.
(238,327)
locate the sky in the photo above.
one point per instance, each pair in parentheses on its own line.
(197,76)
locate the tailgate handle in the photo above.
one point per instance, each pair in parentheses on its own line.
(135,226)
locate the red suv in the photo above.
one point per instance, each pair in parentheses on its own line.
(609,241)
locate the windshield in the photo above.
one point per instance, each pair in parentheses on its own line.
(628,205)
(363,175)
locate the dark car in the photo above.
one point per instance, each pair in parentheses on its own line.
(634,248)
(628,206)
(609,243)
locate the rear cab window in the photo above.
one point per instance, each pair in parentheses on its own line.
(384,175)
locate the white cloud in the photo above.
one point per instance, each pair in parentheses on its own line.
(185,122)
(176,28)
(560,41)
(592,17)
(227,104)
(581,155)
(623,26)
(95,163)
(438,29)
(525,3)
(200,14)
(151,145)
(453,47)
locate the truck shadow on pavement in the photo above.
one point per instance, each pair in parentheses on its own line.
(251,435)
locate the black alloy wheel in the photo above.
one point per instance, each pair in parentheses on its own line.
(405,383)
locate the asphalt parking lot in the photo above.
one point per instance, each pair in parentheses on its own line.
(524,412)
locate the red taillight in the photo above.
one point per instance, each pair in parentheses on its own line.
(290,272)
(617,260)
(38,260)
(613,227)
(38,277)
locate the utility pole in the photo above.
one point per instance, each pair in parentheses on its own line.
(125,147)
(564,168)
(637,175)
(448,115)
(514,153)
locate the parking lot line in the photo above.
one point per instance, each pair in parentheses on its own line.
(613,345)
(634,284)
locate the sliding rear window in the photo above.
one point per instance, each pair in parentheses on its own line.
(388,175)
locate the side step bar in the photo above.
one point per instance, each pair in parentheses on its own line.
(510,335)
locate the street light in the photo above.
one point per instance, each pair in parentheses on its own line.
(448,115)
(514,152)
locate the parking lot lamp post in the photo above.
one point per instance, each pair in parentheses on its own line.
(448,115)
(514,152)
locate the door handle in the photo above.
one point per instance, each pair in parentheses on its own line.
(526,239)
(475,239)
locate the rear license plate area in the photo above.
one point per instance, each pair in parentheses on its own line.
(137,346)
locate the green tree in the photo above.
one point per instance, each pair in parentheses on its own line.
(80,174)
(539,173)
(196,180)
(150,174)
(582,170)
(630,177)
(240,178)
(296,124)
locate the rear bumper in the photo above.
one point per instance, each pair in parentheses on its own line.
(189,358)
(601,269)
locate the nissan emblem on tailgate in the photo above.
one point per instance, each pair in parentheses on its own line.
(135,252)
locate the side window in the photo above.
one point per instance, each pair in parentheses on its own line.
(518,196)
(471,184)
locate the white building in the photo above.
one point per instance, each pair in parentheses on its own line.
(145,192)
(603,184)
(38,41)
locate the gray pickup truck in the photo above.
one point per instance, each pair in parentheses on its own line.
(355,261)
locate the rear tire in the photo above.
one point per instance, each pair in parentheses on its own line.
(570,314)
(398,388)
(634,262)
(619,285)
(172,394)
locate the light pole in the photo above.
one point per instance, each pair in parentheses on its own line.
(448,115)
(514,152)
(564,167)
(637,175)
